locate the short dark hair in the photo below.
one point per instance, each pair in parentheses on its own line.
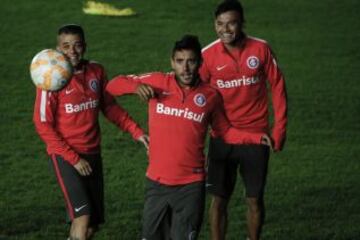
(230,5)
(188,42)
(72,29)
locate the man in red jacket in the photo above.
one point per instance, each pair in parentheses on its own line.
(241,67)
(67,121)
(181,108)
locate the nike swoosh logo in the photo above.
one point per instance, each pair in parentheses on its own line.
(79,208)
(208,185)
(219,68)
(166,93)
(69,91)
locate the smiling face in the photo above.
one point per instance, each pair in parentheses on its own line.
(185,64)
(73,46)
(228,26)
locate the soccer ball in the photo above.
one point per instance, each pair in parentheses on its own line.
(50,70)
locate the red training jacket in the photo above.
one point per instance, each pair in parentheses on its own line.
(67,120)
(240,77)
(178,124)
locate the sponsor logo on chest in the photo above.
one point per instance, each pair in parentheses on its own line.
(234,83)
(179,112)
(75,108)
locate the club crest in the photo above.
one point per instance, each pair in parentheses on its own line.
(94,85)
(252,62)
(200,100)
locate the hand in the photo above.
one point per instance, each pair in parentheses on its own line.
(266,140)
(280,145)
(145,92)
(144,139)
(83,167)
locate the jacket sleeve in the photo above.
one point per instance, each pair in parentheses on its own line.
(127,84)
(279,99)
(44,119)
(116,114)
(222,128)
(122,85)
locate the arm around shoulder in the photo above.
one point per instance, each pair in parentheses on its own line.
(121,85)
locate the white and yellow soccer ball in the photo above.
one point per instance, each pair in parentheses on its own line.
(50,70)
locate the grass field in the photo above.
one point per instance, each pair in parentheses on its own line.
(313,186)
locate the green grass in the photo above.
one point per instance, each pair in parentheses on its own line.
(312,190)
